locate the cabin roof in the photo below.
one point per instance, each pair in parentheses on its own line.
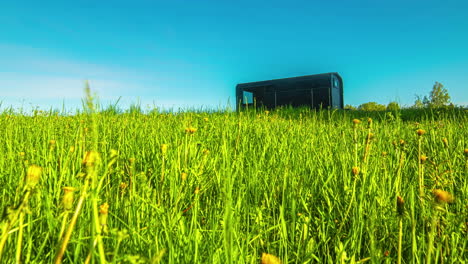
(298,78)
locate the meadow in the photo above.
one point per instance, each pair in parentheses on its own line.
(289,185)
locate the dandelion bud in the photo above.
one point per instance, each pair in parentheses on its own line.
(33,175)
(423,158)
(164,149)
(270,259)
(402,142)
(197,190)
(420,132)
(356,122)
(466,152)
(369,122)
(183,176)
(267,112)
(384,153)
(22,154)
(68,197)
(205,119)
(103,214)
(72,149)
(400,205)
(370,136)
(445,141)
(355,171)
(442,196)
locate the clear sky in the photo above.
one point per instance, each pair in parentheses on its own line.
(192,53)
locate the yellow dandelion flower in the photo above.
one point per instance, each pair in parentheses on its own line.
(355,171)
(356,121)
(68,197)
(33,175)
(420,132)
(442,196)
(270,259)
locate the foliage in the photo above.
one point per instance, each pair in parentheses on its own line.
(305,186)
(372,106)
(393,106)
(438,97)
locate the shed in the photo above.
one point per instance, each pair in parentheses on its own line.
(319,90)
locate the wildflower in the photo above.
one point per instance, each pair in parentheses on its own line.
(91,159)
(131,160)
(356,122)
(72,149)
(205,119)
(68,197)
(103,214)
(384,153)
(423,158)
(164,149)
(355,171)
(197,190)
(267,112)
(420,132)
(113,153)
(400,205)
(52,144)
(205,152)
(442,196)
(33,175)
(445,141)
(270,259)
(370,136)
(22,154)
(402,142)
(190,130)
(183,176)
(123,188)
(466,152)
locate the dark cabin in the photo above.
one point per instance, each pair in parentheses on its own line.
(319,90)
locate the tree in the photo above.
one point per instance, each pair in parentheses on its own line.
(393,106)
(439,96)
(372,106)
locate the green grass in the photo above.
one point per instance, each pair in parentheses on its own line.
(241,185)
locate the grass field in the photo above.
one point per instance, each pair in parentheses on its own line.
(305,186)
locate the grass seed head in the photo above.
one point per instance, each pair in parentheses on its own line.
(400,205)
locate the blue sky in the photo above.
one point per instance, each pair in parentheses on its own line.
(193,53)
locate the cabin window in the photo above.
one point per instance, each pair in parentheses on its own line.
(247,97)
(336,83)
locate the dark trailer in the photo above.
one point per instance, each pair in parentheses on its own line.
(320,90)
